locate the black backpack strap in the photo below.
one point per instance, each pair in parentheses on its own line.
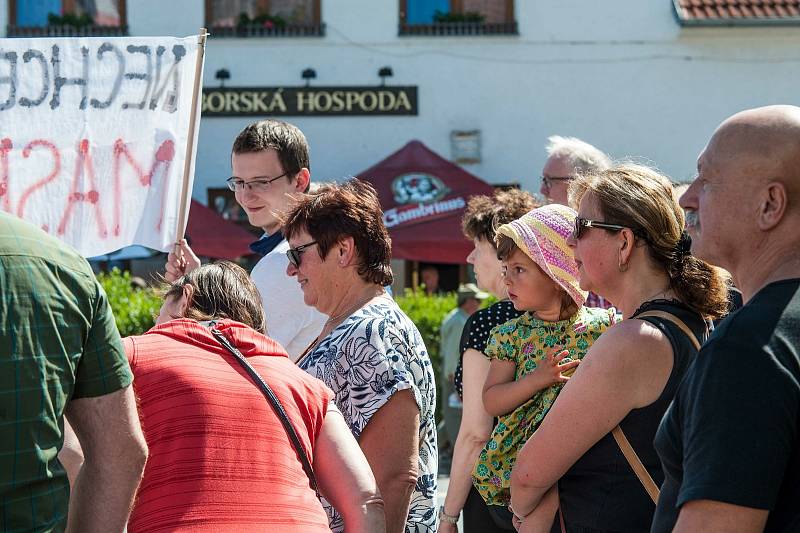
(273,401)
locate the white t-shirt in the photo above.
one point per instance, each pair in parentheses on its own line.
(290,321)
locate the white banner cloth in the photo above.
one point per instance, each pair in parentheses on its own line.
(93,135)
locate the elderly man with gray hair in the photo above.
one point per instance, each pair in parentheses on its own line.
(566,158)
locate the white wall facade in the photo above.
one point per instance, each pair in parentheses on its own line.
(620,74)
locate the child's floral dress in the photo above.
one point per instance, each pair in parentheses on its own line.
(526,341)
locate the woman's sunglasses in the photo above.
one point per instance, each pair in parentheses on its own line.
(581,223)
(294,253)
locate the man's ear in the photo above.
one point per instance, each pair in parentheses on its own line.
(303,180)
(772,205)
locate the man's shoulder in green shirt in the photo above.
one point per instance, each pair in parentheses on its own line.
(58,342)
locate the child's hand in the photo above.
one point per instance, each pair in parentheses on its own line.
(551,370)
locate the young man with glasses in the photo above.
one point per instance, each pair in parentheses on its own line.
(270,166)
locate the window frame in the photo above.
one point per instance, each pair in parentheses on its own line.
(47,30)
(455,29)
(315,29)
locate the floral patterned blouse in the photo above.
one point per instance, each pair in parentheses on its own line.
(526,341)
(374,353)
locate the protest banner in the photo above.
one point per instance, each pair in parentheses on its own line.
(97,137)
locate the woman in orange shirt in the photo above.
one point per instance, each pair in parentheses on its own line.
(220,458)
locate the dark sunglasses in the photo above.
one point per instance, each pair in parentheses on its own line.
(581,223)
(294,253)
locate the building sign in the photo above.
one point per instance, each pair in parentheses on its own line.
(418,188)
(309,101)
(420,198)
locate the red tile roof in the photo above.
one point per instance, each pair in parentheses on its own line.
(737,12)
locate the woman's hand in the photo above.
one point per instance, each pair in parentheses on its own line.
(551,370)
(446,527)
(540,520)
(530,525)
(533,523)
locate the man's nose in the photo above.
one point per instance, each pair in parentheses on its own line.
(688,199)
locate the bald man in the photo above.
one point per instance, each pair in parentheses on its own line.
(729,442)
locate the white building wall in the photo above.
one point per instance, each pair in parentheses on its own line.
(621,74)
(165,17)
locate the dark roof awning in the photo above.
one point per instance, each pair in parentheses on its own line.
(423,197)
(213,236)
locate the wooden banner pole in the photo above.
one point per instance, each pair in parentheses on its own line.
(187,165)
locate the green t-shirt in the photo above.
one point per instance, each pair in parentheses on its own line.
(58,341)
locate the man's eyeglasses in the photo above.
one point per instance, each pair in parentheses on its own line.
(548,181)
(257,185)
(581,223)
(294,253)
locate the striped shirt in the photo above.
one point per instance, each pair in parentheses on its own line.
(595,300)
(220,459)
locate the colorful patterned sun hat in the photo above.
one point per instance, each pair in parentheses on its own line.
(542,234)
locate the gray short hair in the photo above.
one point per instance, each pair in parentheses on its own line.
(582,156)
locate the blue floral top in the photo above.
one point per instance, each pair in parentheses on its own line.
(374,353)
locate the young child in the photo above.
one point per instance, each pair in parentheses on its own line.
(532,355)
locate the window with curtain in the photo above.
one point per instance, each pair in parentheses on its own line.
(37,13)
(232,13)
(457,17)
(441,11)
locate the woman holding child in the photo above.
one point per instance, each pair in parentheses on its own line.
(630,248)
(526,371)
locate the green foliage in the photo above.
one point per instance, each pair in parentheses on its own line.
(70,19)
(134,309)
(427,312)
(441,17)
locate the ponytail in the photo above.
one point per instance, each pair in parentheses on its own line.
(640,198)
(700,286)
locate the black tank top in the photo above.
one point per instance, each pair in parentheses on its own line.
(600,492)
